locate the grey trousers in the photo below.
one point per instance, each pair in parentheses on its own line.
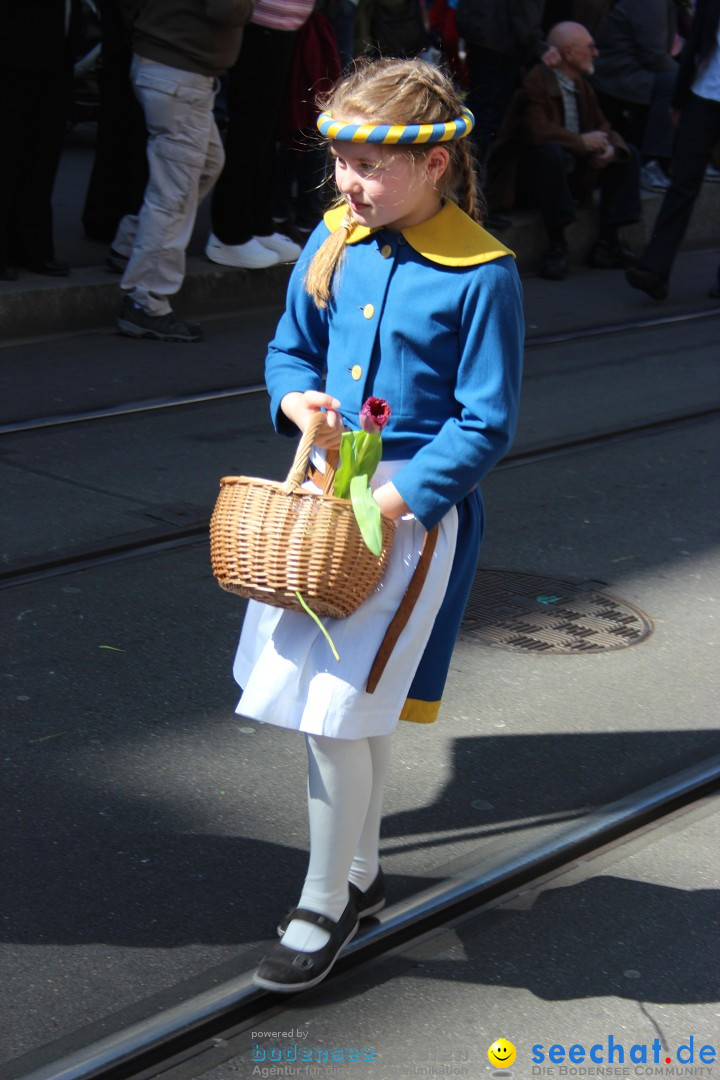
(185,158)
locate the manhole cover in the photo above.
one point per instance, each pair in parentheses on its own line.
(537,614)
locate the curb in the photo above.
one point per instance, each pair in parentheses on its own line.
(90,298)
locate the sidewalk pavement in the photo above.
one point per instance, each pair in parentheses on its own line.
(90,297)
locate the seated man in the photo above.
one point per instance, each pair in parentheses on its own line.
(555,147)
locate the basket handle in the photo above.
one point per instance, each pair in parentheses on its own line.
(298,470)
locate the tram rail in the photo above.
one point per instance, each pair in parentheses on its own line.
(130,408)
(209,1020)
(157,540)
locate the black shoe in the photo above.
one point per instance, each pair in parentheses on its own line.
(647,281)
(50,267)
(134,321)
(604,256)
(288,970)
(714,293)
(366,903)
(554,265)
(8,273)
(116,262)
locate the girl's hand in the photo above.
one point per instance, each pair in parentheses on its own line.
(301,408)
(390,501)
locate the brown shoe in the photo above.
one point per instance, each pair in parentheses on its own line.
(647,281)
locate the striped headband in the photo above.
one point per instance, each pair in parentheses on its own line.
(396,133)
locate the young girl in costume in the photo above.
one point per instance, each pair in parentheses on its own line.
(399,294)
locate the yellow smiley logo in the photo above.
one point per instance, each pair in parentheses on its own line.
(502,1054)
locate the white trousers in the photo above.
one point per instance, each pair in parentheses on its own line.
(185,158)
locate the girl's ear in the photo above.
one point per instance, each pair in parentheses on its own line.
(436,163)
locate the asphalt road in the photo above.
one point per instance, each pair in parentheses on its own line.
(153,836)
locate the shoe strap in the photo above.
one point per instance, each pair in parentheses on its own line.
(315,918)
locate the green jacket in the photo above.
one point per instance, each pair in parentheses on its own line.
(203,36)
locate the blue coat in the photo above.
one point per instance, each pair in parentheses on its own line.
(431,320)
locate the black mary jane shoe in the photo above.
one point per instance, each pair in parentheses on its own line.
(367,902)
(287,971)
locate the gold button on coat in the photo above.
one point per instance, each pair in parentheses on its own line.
(386,251)
(356,372)
(368,311)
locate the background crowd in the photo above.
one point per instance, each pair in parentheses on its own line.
(577,102)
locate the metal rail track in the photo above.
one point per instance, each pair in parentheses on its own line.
(198,1025)
(131,408)
(155,541)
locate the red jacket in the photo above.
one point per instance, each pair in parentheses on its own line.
(316,67)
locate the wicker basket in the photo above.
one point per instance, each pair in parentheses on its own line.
(269,540)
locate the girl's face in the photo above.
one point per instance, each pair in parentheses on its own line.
(386,187)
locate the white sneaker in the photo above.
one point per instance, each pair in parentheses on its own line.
(285,248)
(251,256)
(652,177)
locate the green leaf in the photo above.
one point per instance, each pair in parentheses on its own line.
(367,513)
(360,453)
(368,451)
(306,607)
(344,472)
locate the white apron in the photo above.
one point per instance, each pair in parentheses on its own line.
(289,674)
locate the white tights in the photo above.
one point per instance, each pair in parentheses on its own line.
(346,782)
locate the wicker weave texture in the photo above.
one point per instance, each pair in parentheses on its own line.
(269,541)
(267,544)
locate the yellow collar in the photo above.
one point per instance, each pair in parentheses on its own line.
(449,238)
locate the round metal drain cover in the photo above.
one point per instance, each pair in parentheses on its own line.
(536,614)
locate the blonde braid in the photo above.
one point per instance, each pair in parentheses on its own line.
(475,205)
(326,262)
